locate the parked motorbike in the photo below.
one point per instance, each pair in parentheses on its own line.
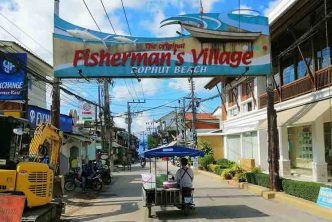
(143,162)
(72,181)
(187,200)
(105,175)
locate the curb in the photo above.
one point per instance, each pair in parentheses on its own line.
(281,197)
(304,205)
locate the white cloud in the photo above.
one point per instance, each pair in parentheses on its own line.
(208,4)
(125,92)
(183,84)
(35,17)
(272,5)
(154,25)
(120,122)
(138,122)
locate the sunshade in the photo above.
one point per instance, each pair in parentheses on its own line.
(171,151)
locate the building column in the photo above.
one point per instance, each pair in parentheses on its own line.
(284,162)
(262,150)
(241,147)
(319,165)
(225,148)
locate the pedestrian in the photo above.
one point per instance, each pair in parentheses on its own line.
(185,175)
(88,172)
(124,161)
(129,161)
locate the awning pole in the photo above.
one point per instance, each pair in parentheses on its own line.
(167,167)
(150,164)
(155,176)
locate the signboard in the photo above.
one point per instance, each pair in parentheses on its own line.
(39,115)
(325,197)
(87,112)
(219,44)
(12,78)
(11,207)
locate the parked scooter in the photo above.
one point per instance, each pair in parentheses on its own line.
(105,175)
(143,162)
(73,180)
(187,200)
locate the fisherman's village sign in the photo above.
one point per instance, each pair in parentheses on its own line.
(218,45)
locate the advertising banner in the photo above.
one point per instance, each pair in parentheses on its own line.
(39,115)
(12,78)
(87,112)
(219,44)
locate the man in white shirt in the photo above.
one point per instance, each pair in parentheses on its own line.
(185,175)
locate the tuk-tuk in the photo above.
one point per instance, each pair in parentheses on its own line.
(167,195)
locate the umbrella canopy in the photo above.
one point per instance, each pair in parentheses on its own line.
(171,151)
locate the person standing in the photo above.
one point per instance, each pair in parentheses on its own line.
(124,161)
(185,175)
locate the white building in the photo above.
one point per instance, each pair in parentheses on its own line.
(302,80)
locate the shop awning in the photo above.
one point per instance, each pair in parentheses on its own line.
(299,115)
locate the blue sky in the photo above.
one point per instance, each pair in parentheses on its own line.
(35,18)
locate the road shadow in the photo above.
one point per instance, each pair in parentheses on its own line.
(125,208)
(212,213)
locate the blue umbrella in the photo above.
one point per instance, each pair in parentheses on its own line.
(172,151)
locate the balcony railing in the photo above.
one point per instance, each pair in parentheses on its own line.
(300,87)
(324,78)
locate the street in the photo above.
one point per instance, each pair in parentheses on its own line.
(215,201)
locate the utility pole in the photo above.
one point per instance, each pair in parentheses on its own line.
(184,120)
(130,119)
(101,119)
(55,107)
(273,143)
(108,122)
(193,110)
(176,121)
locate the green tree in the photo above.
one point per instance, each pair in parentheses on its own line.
(152,141)
(206,147)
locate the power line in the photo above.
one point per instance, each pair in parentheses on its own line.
(109,20)
(128,89)
(11,22)
(124,11)
(91,15)
(9,33)
(40,77)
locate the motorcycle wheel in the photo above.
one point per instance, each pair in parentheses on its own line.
(107,180)
(186,209)
(97,185)
(70,186)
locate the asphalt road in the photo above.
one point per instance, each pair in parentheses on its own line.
(215,201)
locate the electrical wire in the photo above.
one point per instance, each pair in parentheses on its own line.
(125,14)
(128,89)
(91,14)
(35,41)
(109,20)
(9,33)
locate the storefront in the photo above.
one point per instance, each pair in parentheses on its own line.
(243,146)
(328,147)
(300,149)
(233,147)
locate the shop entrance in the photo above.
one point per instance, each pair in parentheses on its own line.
(300,149)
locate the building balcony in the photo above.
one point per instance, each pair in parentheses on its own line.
(322,79)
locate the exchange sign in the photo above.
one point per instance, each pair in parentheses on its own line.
(12,78)
(219,44)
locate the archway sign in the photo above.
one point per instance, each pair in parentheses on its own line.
(219,44)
